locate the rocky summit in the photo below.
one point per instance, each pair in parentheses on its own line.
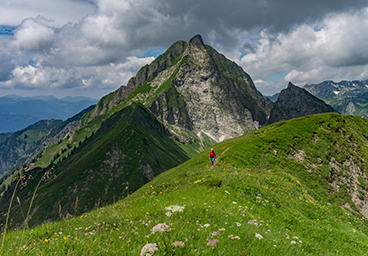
(193,88)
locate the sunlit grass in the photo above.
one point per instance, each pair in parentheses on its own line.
(253,202)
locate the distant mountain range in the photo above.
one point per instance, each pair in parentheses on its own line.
(25,146)
(18,112)
(347,97)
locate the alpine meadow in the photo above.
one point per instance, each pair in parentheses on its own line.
(132,175)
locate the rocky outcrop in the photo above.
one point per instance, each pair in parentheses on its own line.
(295,102)
(145,74)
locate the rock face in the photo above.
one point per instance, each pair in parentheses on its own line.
(295,102)
(194,88)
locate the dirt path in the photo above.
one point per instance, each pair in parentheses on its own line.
(220,156)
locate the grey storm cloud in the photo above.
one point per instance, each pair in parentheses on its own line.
(108,37)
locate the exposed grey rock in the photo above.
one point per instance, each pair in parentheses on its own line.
(210,94)
(148,171)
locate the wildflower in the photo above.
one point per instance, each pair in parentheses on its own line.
(161,227)
(214,233)
(253,222)
(232,237)
(227,192)
(238,224)
(206,225)
(175,208)
(212,242)
(259,236)
(149,249)
(234,202)
(222,229)
(178,243)
(292,242)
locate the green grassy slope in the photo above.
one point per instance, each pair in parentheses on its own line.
(130,149)
(269,194)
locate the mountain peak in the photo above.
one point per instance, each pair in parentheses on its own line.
(290,85)
(197,40)
(294,102)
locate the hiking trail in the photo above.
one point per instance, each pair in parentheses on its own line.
(211,167)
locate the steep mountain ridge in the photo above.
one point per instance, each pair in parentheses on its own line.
(294,102)
(208,93)
(131,148)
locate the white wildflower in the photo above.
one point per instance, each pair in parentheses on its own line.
(161,227)
(234,202)
(175,208)
(253,222)
(292,242)
(259,236)
(206,225)
(227,192)
(149,249)
(232,237)
(238,224)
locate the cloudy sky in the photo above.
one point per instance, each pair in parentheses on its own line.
(91,47)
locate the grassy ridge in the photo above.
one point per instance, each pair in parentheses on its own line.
(269,194)
(130,149)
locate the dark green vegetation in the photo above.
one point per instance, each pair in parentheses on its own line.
(130,149)
(287,189)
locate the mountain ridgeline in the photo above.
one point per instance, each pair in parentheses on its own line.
(25,146)
(186,100)
(347,97)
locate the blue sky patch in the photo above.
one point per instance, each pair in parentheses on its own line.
(274,76)
(7,30)
(152,52)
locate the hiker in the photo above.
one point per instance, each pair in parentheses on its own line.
(212,157)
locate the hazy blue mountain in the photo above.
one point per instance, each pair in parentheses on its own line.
(22,146)
(273,98)
(18,112)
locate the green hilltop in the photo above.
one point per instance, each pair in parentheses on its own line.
(296,187)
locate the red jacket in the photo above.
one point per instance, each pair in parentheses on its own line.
(212,154)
